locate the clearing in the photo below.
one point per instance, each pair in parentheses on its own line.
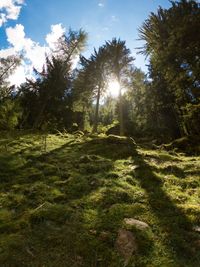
(64,204)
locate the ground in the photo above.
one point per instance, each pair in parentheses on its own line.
(63,203)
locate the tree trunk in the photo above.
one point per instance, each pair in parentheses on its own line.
(38,120)
(96,118)
(121,119)
(82,125)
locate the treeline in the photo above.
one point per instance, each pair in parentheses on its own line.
(164,103)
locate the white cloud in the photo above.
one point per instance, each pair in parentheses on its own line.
(33,53)
(2,19)
(100,4)
(31,50)
(105,29)
(56,32)
(19,76)
(114,18)
(20,2)
(16,37)
(75,61)
(10,9)
(7,52)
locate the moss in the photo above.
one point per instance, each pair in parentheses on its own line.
(64,207)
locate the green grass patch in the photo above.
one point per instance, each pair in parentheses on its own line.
(63,204)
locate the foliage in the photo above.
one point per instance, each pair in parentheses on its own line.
(70,45)
(72,192)
(7,66)
(48,98)
(91,80)
(120,61)
(172,43)
(10,113)
(163,105)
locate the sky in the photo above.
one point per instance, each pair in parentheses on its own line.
(33,26)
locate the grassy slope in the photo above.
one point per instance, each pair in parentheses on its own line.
(65,207)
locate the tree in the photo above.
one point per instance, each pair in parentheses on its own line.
(120,62)
(99,61)
(52,88)
(92,79)
(136,102)
(10,113)
(172,42)
(82,90)
(7,67)
(70,46)
(55,82)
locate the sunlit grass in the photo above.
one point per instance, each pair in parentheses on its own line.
(64,206)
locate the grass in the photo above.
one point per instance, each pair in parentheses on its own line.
(64,206)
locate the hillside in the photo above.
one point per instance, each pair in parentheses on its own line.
(97,202)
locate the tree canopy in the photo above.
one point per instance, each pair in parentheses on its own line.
(73,89)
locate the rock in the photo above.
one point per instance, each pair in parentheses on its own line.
(104,235)
(93,232)
(134,167)
(197,244)
(89,158)
(85,159)
(116,139)
(93,182)
(126,244)
(138,224)
(113,130)
(196,228)
(78,133)
(79,260)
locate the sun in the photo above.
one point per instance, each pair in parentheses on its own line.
(113,88)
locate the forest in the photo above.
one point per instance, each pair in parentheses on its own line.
(100,161)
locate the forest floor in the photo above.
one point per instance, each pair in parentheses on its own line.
(65,204)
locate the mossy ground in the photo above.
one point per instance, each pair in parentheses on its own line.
(63,207)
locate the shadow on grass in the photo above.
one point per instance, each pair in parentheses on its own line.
(51,225)
(175,225)
(174,170)
(175,229)
(59,232)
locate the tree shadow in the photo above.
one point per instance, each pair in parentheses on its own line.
(72,214)
(171,169)
(56,229)
(176,227)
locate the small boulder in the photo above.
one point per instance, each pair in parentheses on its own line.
(89,158)
(78,133)
(196,228)
(138,224)
(93,232)
(85,159)
(116,139)
(104,236)
(126,244)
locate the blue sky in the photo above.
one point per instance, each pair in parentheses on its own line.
(24,24)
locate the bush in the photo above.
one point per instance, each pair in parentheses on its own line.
(10,114)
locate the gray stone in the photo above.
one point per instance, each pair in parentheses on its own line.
(126,244)
(138,224)
(196,228)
